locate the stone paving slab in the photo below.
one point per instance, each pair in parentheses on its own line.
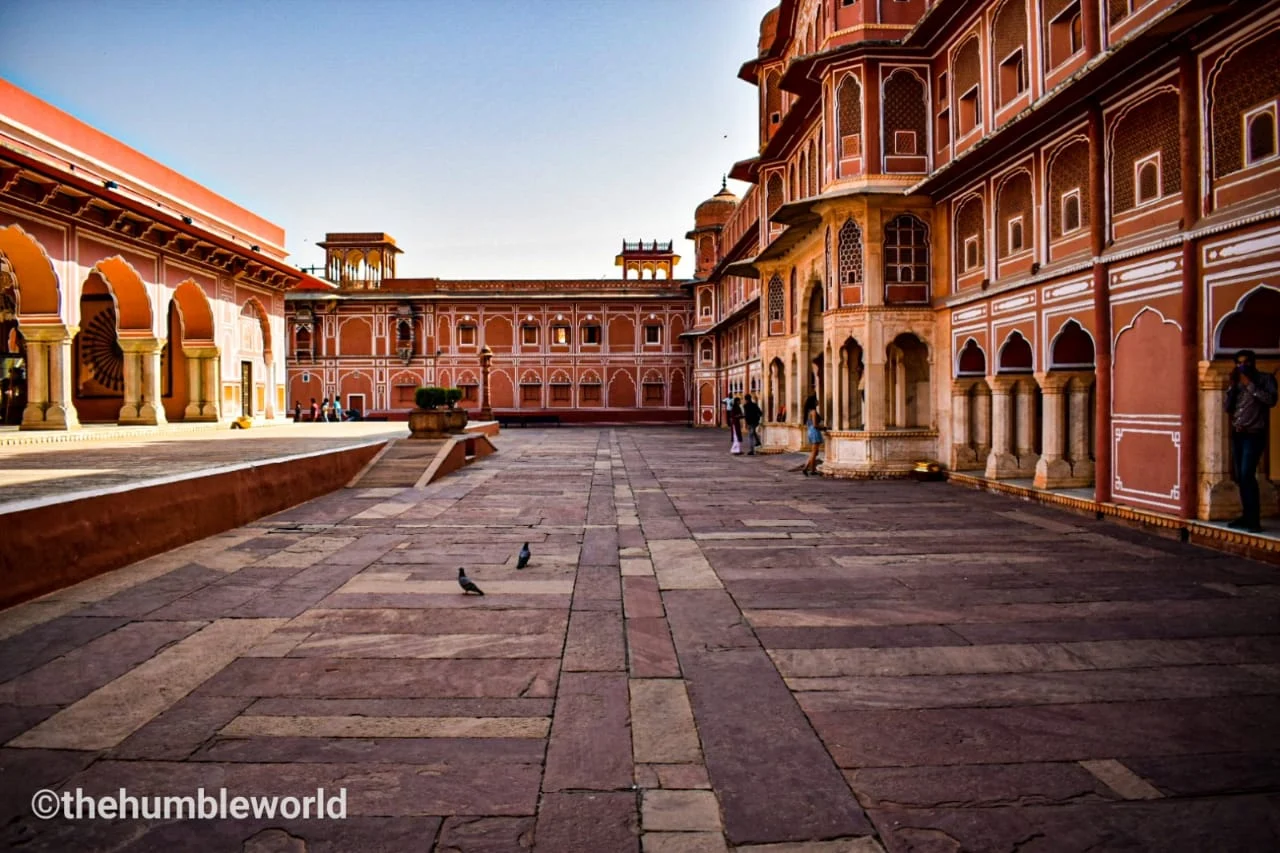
(706,653)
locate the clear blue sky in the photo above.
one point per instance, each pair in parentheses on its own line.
(491,138)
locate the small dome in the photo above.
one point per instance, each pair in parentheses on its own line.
(716,210)
(768,29)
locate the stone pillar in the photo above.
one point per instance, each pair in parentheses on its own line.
(1218,497)
(142,403)
(963,455)
(1025,440)
(1078,423)
(269,396)
(1001,463)
(981,420)
(486,358)
(1053,471)
(875,407)
(212,385)
(202,383)
(37,361)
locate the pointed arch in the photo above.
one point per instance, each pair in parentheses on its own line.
(1071,348)
(253,307)
(1253,324)
(133,303)
(39,292)
(1016,355)
(194,313)
(971,360)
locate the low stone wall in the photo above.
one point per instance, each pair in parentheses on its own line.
(53,546)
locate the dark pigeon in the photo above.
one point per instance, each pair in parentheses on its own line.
(466,584)
(524,556)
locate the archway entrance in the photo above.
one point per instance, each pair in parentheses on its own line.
(814,349)
(13,365)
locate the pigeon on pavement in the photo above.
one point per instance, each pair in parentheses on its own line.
(466,584)
(524,556)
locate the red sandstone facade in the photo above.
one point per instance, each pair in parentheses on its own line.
(1020,236)
(128,293)
(587,351)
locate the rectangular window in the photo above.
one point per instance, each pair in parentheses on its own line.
(591,335)
(904,142)
(589,393)
(652,335)
(466,335)
(1013,80)
(560,336)
(969,116)
(943,94)
(531,394)
(943,133)
(404,394)
(1015,234)
(851,145)
(970,253)
(560,393)
(1066,35)
(653,393)
(470,393)
(529,335)
(1070,210)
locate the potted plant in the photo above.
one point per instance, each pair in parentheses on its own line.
(452,396)
(431,419)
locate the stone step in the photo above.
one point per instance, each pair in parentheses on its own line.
(402,465)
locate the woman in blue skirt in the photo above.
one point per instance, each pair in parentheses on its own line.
(813,432)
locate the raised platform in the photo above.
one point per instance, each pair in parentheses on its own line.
(69,511)
(1263,546)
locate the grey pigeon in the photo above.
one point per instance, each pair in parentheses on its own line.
(466,584)
(524,556)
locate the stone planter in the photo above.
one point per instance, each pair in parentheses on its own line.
(436,423)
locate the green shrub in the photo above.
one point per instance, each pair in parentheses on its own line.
(452,396)
(429,397)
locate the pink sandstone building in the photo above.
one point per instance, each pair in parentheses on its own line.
(128,293)
(1022,237)
(573,351)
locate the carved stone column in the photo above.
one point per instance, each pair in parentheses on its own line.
(269,396)
(876,403)
(1078,425)
(212,385)
(1217,495)
(201,383)
(1001,463)
(1053,471)
(486,358)
(142,403)
(1025,440)
(981,420)
(48,362)
(963,452)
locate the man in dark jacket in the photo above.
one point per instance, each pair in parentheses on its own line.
(1249,399)
(752,414)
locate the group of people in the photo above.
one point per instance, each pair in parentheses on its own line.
(744,427)
(324,411)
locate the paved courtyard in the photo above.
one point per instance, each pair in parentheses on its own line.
(706,653)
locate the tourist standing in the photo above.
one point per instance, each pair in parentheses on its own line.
(735,426)
(324,410)
(315,410)
(1250,396)
(813,432)
(297,411)
(752,414)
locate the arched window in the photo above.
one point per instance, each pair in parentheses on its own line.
(906,260)
(1070,211)
(850,253)
(777,309)
(1148,180)
(850,117)
(773,194)
(1261,136)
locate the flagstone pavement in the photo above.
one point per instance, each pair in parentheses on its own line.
(706,653)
